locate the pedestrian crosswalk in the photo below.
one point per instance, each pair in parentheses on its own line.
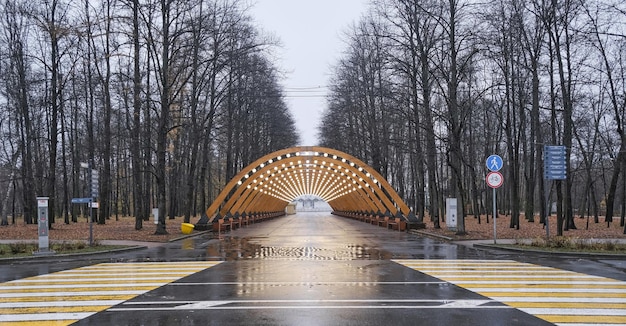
(557,296)
(65,297)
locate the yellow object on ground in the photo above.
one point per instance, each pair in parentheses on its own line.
(186,228)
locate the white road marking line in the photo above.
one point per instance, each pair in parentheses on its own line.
(266,304)
(45,316)
(531,282)
(81,286)
(45,304)
(575,312)
(64,294)
(85,280)
(581,324)
(441,301)
(302,283)
(308,307)
(546,290)
(560,299)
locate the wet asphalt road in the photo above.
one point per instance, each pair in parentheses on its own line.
(312,269)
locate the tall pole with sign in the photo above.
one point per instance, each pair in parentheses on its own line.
(92,183)
(94,194)
(494,180)
(554,168)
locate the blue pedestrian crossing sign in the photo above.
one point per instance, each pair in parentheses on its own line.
(494,163)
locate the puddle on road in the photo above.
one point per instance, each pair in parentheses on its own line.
(248,248)
(188,244)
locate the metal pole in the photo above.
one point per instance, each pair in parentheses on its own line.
(495,213)
(90,205)
(90,222)
(549,206)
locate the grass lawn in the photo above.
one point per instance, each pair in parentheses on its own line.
(67,247)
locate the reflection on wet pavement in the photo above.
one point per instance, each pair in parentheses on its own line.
(243,248)
(319,236)
(187,244)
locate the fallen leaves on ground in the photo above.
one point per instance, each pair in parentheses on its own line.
(123,228)
(585,229)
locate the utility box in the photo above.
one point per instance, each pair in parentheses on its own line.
(451,218)
(42,227)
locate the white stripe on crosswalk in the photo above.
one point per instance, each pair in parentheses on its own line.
(44,316)
(559,299)
(105,284)
(551,294)
(576,312)
(45,304)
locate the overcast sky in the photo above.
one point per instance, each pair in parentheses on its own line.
(311,34)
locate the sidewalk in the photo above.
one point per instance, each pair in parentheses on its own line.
(505,244)
(102,242)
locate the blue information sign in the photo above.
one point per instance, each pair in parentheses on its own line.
(94,183)
(554,163)
(494,163)
(81,200)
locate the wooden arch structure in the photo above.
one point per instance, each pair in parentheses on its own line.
(270,183)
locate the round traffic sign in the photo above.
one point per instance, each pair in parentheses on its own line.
(494,179)
(494,163)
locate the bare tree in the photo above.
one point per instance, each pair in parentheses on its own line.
(17,90)
(417,37)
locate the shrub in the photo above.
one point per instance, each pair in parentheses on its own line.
(561,242)
(66,246)
(576,244)
(22,248)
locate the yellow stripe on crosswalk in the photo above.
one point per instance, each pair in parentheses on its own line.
(104,276)
(82,289)
(531,285)
(578,319)
(526,278)
(119,280)
(568,305)
(69,298)
(557,296)
(40,323)
(81,292)
(554,294)
(35,310)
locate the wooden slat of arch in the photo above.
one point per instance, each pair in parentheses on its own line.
(244,192)
(382,192)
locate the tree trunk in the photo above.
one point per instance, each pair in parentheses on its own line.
(138,191)
(162,129)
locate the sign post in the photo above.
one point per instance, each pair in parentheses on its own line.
(554,168)
(92,179)
(94,194)
(494,180)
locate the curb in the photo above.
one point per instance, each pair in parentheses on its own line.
(431,235)
(77,254)
(191,235)
(546,252)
